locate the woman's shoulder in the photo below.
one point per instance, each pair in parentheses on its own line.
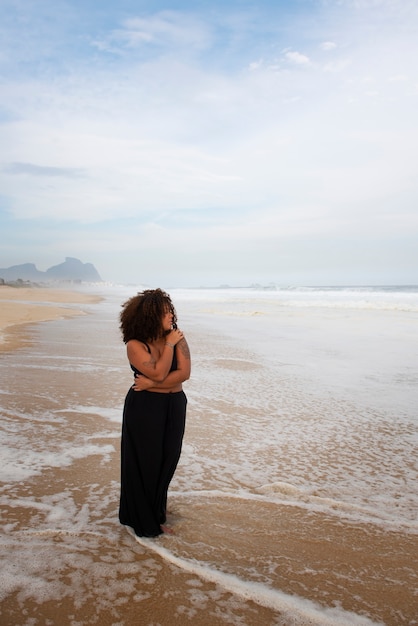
(137,344)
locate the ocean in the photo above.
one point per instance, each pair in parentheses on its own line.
(295,501)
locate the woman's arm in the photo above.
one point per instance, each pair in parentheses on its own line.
(174,378)
(144,362)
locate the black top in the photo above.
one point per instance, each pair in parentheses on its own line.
(173,363)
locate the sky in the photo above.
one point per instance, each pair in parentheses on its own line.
(189,143)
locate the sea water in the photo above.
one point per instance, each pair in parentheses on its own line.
(302,427)
(332,374)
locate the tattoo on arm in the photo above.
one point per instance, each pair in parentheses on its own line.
(182,345)
(150,363)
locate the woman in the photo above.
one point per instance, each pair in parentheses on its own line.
(155,409)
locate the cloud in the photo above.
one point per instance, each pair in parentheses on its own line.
(197,127)
(297,58)
(162,30)
(42,170)
(328,45)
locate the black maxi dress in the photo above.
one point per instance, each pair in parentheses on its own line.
(152,435)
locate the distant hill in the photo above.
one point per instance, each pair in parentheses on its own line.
(71,270)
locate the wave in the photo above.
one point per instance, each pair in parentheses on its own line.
(289,495)
(295,611)
(374,298)
(286,493)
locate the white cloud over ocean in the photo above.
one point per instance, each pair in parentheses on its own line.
(281,142)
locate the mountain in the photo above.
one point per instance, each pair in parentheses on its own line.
(27,271)
(71,270)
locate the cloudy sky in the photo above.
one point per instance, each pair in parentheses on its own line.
(186,143)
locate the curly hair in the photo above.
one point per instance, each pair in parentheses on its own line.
(141,317)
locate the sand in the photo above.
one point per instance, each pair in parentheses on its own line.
(65,558)
(20,306)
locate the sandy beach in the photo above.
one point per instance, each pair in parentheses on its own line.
(250,548)
(20,306)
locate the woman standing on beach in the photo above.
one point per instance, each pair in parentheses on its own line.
(155,409)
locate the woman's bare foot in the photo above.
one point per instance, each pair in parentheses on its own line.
(167,530)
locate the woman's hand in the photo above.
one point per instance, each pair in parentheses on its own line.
(142,383)
(174,336)
(156,364)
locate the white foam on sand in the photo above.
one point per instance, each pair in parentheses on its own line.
(111,582)
(16,466)
(298,404)
(323,400)
(290,495)
(296,611)
(111,414)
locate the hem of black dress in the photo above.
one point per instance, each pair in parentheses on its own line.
(143,534)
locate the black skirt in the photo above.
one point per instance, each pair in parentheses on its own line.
(152,436)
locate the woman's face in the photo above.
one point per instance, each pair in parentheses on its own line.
(167,319)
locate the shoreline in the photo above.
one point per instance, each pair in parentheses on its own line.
(241,553)
(24,306)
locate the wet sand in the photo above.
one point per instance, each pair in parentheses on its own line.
(91,570)
(236,557)
(27,305)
